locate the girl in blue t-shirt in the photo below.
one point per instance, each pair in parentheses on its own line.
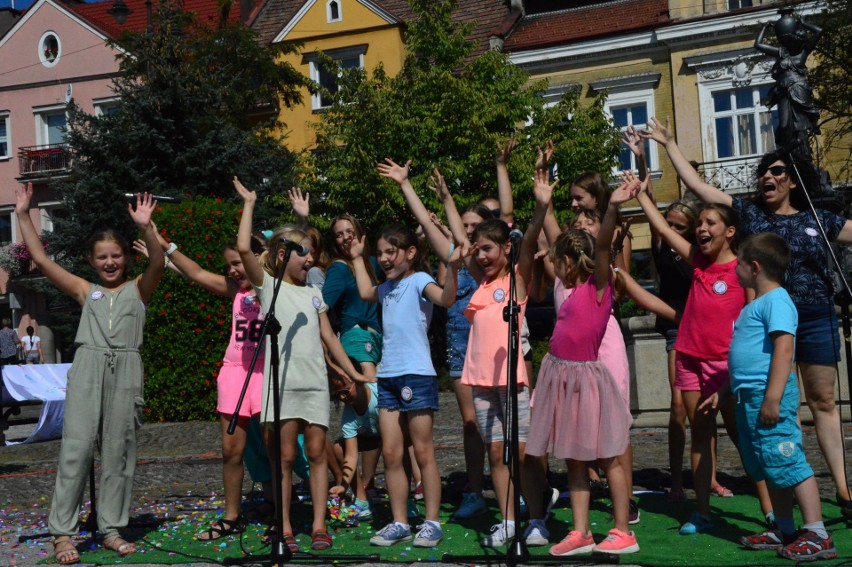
(408,385)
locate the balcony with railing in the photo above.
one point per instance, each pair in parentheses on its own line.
(734,176)
(44,161)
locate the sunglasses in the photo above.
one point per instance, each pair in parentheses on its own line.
(776,170)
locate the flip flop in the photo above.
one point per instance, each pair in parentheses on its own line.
(64,551)
(221,528)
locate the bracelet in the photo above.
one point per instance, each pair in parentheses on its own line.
(172,247)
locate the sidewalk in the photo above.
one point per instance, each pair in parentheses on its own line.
(179,474)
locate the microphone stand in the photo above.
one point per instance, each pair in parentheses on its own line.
(279,553)
(517,552)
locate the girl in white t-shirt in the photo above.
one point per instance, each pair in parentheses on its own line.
(32,347)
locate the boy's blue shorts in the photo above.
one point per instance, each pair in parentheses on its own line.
(772,453)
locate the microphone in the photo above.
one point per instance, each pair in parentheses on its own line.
(159,198)
(515,236)
(299,249)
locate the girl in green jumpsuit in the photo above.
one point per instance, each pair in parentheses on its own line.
(104,390)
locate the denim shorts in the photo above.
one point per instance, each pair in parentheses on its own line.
(671,337)
(456,349)
(409,392)
(816,324)
(772,453)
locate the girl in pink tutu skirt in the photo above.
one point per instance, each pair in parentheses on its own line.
(578,413)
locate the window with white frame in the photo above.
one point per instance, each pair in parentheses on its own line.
(5,136)
(327,74)
(742,126)
(737,4)
(106,107)
(48,213)
(332,11)
(51,126)
(630,102)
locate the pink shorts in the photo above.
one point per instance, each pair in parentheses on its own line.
(230,384)
(694,374)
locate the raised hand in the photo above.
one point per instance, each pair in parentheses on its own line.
(356,247)
(443,228)
(140,247)
(439,185)
(505,150)
(543,189)
(629,188)
(461,251)
(391,170)
(23,198)
(145,205)
(630,138)
(248,196)
(544,157)
(301,204)
(657,132)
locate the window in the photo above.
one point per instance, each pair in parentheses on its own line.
(5,134)
(742,126)
(737,4)
(7,226)
(49,49)
(347,58)
(51,126)
(49,212)
(633,109)
(106,107)
(332,11)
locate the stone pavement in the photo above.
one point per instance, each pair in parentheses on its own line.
(179,471)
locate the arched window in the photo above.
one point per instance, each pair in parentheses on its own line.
(332,9)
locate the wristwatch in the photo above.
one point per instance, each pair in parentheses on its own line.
(172,247)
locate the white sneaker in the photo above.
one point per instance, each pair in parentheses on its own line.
(536,533)
(501,534)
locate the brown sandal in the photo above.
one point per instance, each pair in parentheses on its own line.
(64,551)
(119,545)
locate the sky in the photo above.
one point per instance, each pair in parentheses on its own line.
(21,4)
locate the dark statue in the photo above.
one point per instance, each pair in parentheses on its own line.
(791,93)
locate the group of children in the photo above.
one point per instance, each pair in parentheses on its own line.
(579,410)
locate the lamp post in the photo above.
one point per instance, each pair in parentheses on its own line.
(120,11)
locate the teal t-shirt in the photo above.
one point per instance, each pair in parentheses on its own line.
(340,293)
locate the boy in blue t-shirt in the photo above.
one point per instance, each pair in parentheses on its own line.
(767,393)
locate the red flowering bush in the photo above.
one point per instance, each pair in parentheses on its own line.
(187,328)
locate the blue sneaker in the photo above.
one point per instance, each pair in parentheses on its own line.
(472,505)
(391,534)
(364,510)
(430,535)
(698,523)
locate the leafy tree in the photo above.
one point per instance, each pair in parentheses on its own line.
(449,109)
(196,106)
(831,77)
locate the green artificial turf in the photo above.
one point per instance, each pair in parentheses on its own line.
(657,533)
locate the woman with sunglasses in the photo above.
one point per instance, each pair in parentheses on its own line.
(780,207)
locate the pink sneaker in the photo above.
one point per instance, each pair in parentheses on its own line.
(574,543)
(618,542)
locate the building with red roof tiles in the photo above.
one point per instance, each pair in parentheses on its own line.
(360,33)
(49,53)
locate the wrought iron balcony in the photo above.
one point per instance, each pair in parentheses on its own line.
(43,161)
(735,176)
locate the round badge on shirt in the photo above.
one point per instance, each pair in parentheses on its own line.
(316,301)
(96,295)
(720,288)
(811,231)
(249,299)
(406,394)
(499,294)
(368,347)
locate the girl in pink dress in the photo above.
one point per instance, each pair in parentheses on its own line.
(578,413)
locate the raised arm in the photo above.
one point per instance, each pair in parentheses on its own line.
(188,268)
(764,47)
(543,190)
(251,265)
(815,30)
(399,174)
(647,300)
(658,223)
(454,221)
(301,206)
(366,289)
(603,243)
(664,136)
(504,186)
(141,215)
(447,296)
(67,282)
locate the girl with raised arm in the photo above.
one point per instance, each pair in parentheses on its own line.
(104,395)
